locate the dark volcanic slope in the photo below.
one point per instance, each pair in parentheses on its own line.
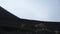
(9,20)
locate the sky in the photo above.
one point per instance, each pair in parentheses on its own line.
(41,10)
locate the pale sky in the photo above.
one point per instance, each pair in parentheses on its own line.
(41,10)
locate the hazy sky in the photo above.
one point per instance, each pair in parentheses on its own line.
(42,10)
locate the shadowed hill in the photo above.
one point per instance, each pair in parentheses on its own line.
(10,21)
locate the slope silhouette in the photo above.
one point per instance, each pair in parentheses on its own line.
(10,22)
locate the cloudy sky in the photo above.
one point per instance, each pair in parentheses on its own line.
(42,10)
